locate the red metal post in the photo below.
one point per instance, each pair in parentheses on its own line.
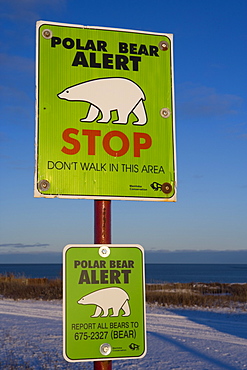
(102,235)
(102,222)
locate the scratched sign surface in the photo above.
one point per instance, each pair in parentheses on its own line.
(104,302)
(105,114)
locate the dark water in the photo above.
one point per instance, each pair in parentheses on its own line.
(182,273)
(50,271)
(205,273)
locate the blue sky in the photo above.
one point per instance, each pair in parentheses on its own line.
(210,89)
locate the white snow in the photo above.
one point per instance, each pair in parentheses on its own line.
(186,339)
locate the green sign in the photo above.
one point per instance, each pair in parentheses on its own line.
(105,114)
(104,302)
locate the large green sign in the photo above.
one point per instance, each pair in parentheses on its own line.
(104,302)
(105,114)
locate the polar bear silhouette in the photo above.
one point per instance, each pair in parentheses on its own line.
(106,95)
(107,298)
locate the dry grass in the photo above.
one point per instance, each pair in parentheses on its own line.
(200,294)
(177,294)
(23,288)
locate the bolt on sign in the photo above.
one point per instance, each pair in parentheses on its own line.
(104,302)
(105,114)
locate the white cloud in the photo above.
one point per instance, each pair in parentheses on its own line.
(20,245)
(196,100)
(12,63)
(29,10)
(236,130)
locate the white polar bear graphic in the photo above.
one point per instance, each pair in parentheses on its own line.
(106,95)
(107,298)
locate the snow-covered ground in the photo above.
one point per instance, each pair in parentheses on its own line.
(31,337)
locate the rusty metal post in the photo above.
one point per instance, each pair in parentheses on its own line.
(102,222)
(102,235)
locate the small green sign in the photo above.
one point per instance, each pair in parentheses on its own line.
(104,302)
(105,114)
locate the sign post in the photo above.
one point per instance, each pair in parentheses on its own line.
(105,110)
(102,235)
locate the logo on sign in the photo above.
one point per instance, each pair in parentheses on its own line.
(134,346)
